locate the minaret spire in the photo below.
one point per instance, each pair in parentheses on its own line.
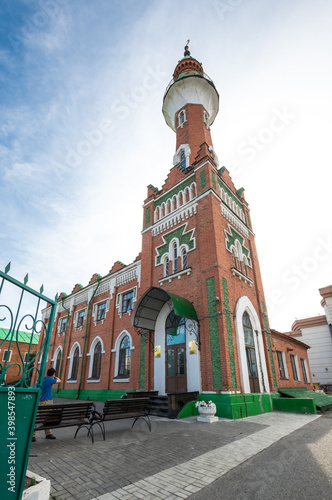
(186,49)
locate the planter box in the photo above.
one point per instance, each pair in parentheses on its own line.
(40,491)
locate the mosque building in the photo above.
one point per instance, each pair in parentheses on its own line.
(189,315)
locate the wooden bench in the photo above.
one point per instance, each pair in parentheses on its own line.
(116,409)
(66,415)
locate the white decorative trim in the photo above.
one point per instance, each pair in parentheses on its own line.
(176,217)
(226,212)
(241,276)
(121,380)
(174,276)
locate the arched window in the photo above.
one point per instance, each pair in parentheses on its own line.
(174,203)
(157,214)
(183,159)
(180,199)
(74,364)
(247,328)
(175,257)
(235,259)
(168,207)
(124,357)
(193,191)
(182,118)
(166,269)
(184,259)
(175,329)
(187,194)
(96,362)
(57,361)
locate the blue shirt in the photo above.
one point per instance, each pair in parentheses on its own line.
(46,394)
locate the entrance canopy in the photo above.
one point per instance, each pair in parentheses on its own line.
(151,303)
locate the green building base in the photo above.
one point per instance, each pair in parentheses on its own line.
(234,406)
(88,394)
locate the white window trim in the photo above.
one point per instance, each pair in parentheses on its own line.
(116,349)
(297,367)
(76,318)
(119,299)
(10,355)
(285,364)
(306,371)
(177,156)
(95,310)
(182,111)
(90,354)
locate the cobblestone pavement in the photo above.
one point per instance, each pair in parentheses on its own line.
(175,460)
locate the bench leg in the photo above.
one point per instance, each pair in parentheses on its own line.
(101,425)
(90,431)
(146,419)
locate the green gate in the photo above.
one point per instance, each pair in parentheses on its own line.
(18,398)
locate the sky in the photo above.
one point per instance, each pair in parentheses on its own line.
(82,132)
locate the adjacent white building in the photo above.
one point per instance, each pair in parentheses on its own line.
(317,333)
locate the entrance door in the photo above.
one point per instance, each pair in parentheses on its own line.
(176,369)
(250,353)
(252,369)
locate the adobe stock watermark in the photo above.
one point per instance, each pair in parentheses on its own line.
(120,110)
(34,25)
(224,7)
(254,144)
(299,272)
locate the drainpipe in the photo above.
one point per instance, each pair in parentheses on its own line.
(63,344)
(85,335)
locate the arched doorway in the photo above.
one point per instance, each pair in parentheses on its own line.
(250,347)
(175,347)
(174,323)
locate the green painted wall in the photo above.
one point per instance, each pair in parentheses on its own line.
(233,406)
(89,394)
(214,181)
(202,180)
(142,361)
(229,334)
(214,333)
(296,405)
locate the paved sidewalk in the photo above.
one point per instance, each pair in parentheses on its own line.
(177,459)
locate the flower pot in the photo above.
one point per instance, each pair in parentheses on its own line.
(207,411)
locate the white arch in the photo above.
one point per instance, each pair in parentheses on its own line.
(187,194)
(70,357)
(193,190)
(92,350)
(157,214)
(244,305)
(59,348)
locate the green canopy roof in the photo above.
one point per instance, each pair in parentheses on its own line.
(150,304)
(322,401)
(21,336)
